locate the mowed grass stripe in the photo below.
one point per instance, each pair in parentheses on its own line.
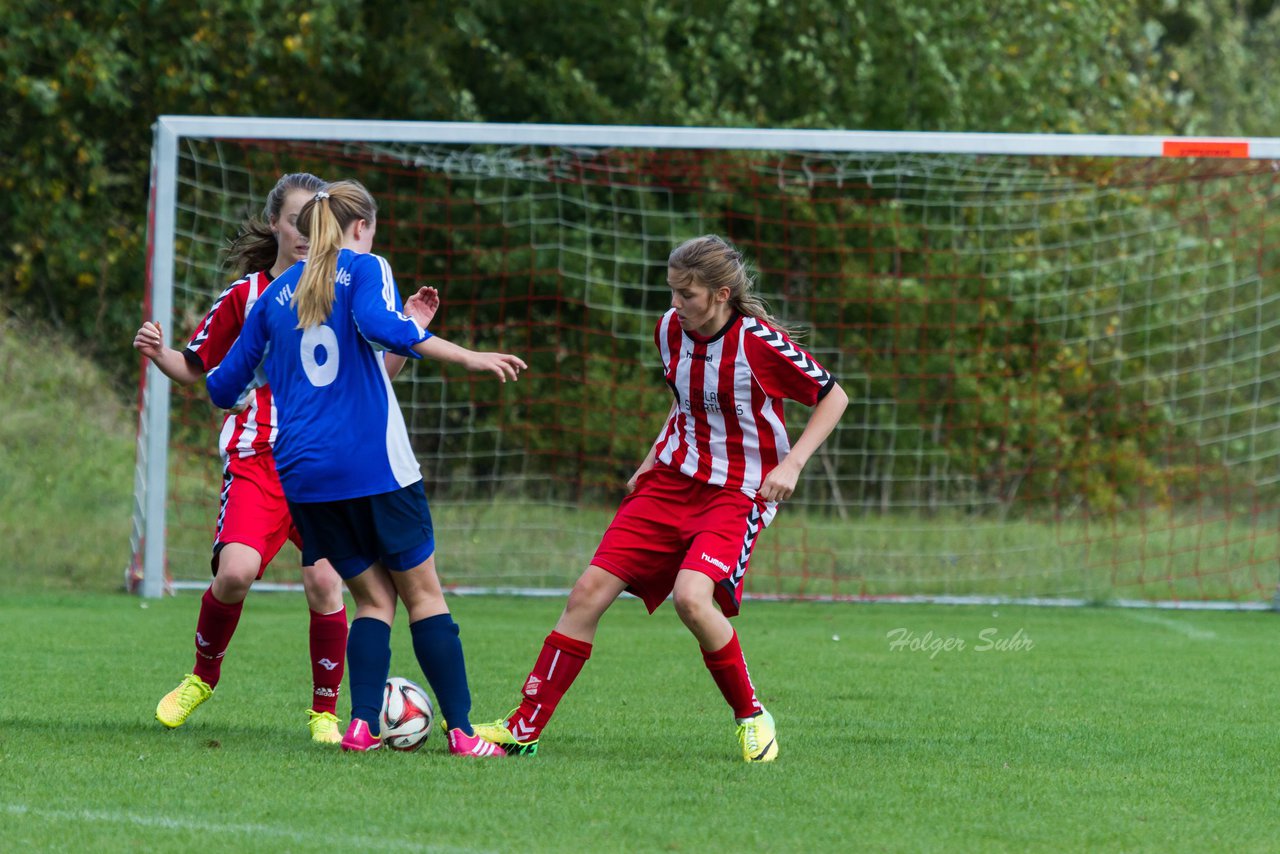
(1104,732)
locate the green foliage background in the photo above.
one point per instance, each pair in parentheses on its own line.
(81,83)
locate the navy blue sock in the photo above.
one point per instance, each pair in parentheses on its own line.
(368,661)
(439,651)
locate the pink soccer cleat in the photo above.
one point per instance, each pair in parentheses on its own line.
(358,737)
(461,744)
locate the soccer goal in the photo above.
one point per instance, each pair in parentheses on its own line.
(1062,352)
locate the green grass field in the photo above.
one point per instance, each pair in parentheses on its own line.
(1115,730)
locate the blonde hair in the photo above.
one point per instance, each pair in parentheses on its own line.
(712,262)
(323,220)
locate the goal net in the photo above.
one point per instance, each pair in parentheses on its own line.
(1060,352)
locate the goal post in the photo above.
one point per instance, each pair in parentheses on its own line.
(1058,349)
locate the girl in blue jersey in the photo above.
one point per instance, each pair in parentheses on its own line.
(350,476)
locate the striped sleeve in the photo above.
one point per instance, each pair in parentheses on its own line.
(783,369)
(219,329)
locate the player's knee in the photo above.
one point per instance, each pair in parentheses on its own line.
(590,591)
(691,606)
(375,603)
(421,603)
(228,591)
(579,600)
(234,578)
(584,607)
(323,588)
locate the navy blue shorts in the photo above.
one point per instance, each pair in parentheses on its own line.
(393,529)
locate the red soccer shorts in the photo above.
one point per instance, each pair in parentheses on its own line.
(673,522)
(253,510)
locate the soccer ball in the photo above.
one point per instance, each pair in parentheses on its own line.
(406,716)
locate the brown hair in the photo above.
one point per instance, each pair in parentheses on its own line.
(322,221)
(714,263)
(255,247)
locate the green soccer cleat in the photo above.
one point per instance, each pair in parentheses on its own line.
(758,737)
(497,733)
(176,706)
(324,727)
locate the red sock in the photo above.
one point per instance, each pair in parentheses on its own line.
(328,652)
(729,669)
(558,665)
(214,628)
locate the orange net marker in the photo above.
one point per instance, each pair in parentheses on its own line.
(1204,148)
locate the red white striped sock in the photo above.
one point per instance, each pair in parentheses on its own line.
(558,664)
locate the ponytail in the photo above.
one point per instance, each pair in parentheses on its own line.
(323,221)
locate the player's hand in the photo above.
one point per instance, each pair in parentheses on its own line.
(150,340)
(781,482)
(422,305)
(645,467)
(504,365)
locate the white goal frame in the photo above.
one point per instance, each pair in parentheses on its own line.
(151,474)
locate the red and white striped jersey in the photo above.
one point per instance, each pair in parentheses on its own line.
(728,428)
(252,430)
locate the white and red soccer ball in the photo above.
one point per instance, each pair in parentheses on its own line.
(406,716)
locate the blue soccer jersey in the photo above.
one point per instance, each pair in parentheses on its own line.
(341,431)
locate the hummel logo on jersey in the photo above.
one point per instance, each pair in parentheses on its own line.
(200,641)
(327,664)
(705,357)
(716,563)
(531,686)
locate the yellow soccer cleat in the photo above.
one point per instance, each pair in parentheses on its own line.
(324,727)
(176,706)
(758,737)
(497,733)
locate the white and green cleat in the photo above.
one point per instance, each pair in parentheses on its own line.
(496,732)
(758,737)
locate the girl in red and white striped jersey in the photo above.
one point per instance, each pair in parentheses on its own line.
(253,519)
(707,487)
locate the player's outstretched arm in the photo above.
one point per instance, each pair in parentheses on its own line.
(781,482)
(150,342)
(503,365)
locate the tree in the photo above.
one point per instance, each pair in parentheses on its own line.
(81,86)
